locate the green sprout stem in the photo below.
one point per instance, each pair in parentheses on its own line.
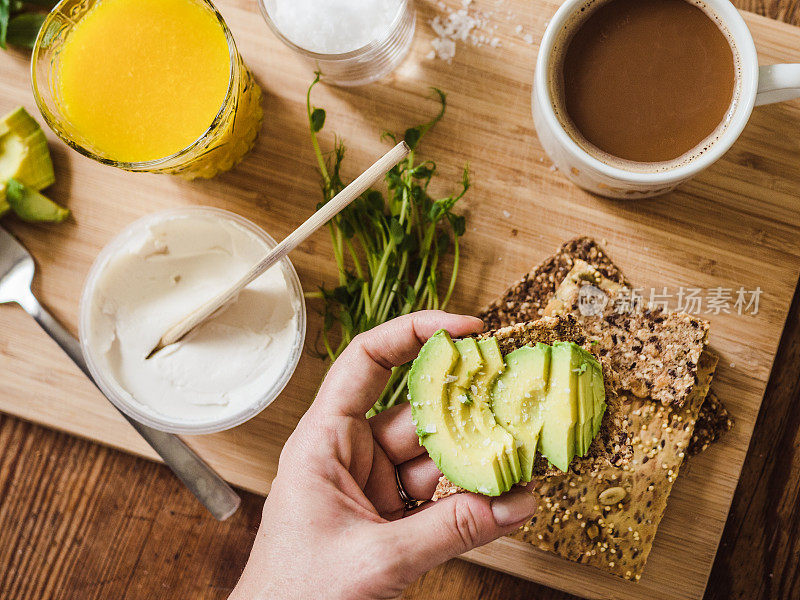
(388,247)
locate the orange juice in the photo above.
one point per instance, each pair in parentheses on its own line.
(141,80)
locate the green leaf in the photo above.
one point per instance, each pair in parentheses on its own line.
(396,231)
(347,320)
(327,320)
(422,172)
(347,228)
(48,4)
(5,10)
(341,295)
(411,295)
(409,244)
(354,285)
(436,210)
(375,200)
(412,137)
(317,119)
(458,223)
(465,178)
(23,29)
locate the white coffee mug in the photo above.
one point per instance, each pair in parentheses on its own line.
(755,86)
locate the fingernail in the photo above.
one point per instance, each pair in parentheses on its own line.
(513,507)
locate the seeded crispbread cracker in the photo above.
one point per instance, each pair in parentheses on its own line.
(655,353)
(712,422)
(608,517)
(611,447)
(527,299)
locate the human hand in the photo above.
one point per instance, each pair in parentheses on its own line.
(334,525)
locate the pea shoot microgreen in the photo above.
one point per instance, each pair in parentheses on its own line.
(390,250)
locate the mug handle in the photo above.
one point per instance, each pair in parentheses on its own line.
(777,83)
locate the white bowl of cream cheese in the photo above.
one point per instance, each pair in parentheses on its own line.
(161,268)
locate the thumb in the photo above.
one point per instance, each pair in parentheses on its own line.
(454,525)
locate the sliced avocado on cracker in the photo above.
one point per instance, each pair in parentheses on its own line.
(483,417)
(449,400)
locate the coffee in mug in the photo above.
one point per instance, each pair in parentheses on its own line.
(647,81)
(631,98)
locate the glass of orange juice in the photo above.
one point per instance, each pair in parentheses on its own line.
(146,85)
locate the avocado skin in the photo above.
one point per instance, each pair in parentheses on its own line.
(587,378)
(32,206)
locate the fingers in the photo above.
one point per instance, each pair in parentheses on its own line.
(359,375)
(394,430)
(454,525)
(419,477)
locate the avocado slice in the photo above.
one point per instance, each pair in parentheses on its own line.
(559,409)
(31,206)
(453,443)
(467,401)
(599,391)
(24,154)
(583,428)
(586,401)
(516,398)
(472,410)
(471,362)
(494,365)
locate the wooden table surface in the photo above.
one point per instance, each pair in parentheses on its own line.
(78,520)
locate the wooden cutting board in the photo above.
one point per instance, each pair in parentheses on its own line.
(736,225)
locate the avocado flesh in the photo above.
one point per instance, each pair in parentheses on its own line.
(471,362)
(482,418)
(479,413)
(31,206)
(516,398)
(454,444)
(24,154)
(599,390)
(484,382)
(559,408)
(466,401)
(586,401)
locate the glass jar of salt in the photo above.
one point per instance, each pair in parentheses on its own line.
(351,42)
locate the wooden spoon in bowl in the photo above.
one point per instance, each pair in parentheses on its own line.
(294,239)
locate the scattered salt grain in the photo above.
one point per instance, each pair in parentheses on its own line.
(333,26)
(471,24)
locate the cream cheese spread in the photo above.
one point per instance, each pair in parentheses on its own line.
(159,275)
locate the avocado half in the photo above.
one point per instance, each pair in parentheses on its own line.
(483,417)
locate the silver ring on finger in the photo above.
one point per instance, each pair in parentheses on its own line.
(409,503)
